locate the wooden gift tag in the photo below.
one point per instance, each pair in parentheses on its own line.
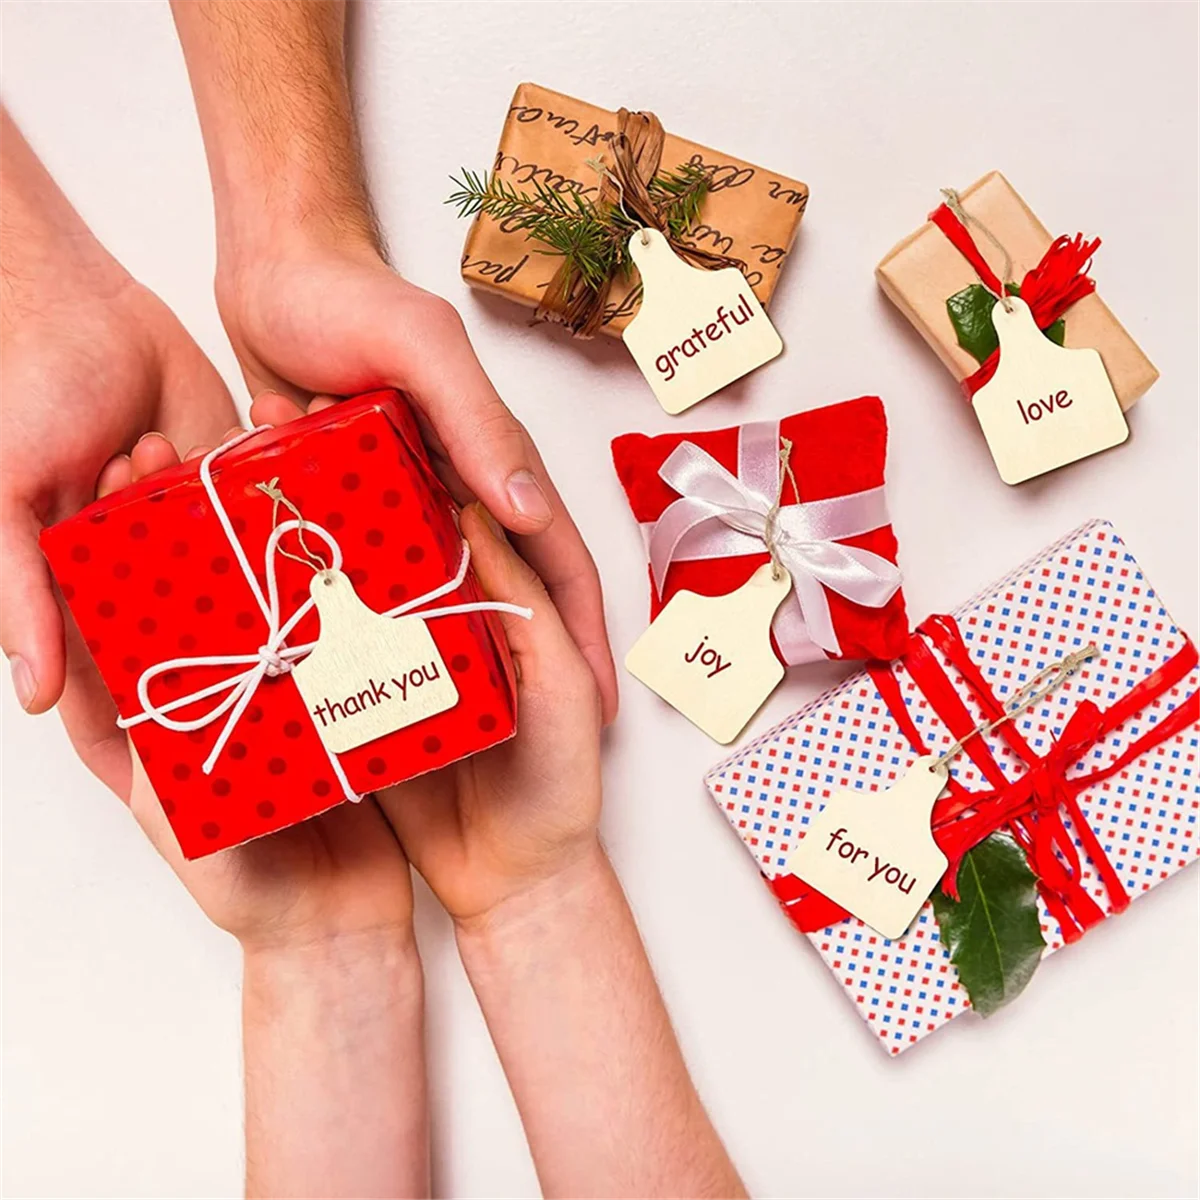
(873,852)
(710,656)
(1046,406)
(696,330)
(368,675)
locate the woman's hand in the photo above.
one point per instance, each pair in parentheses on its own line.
(492,827)
(337,875)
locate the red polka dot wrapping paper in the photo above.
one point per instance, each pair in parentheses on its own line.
(1085,588)
(149,575)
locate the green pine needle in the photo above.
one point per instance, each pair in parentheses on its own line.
(592,239)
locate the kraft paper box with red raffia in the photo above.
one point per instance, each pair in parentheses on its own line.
(925,270)
(149,575)
(750,213)
(836,504)
(1101,773)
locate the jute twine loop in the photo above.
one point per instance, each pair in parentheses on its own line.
(955,205)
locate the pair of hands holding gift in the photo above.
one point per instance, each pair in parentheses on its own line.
(93,361)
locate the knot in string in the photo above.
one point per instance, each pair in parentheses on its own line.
(274,664)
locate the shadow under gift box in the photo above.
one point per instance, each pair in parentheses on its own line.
(149,575)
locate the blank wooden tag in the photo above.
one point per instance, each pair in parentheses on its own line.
(710,656)
(1046,406)
(368,675)
(873,852)
(696,330)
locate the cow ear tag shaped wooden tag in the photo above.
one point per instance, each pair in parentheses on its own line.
(368,675)
(1046,406)
(873,852)
(710,657)
(696,330)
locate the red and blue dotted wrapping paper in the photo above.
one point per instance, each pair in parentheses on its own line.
(1085,588)
(149,575)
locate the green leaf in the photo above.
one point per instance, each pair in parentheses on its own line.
(992,930)
(971,315)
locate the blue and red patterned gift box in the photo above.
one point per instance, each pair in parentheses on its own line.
(1086,588)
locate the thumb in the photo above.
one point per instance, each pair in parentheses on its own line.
(31,625)
(546,655)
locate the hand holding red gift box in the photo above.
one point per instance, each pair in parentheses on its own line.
(196,643)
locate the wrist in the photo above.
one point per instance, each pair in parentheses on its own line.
(362,969)
(535,915)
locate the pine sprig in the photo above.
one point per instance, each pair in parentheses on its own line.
(594,239)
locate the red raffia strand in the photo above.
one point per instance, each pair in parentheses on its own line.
(1058,281)
(1035,808)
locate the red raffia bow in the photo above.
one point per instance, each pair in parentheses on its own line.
(1057,282)
(1035,808)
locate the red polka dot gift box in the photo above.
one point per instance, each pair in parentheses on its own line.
(195,583)
(1096,784)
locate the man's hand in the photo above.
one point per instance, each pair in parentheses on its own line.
(91,362)
(317,319)
(312,308)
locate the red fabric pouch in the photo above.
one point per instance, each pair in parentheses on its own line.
(150,575)
(836,452)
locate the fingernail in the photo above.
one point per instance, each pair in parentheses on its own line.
(490,521)
(23,681)
(527,497)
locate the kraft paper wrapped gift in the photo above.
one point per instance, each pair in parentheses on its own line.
(1143,810)
(925,270)
(750,213)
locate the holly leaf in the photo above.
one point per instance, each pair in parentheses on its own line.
(992,930)
(971,315)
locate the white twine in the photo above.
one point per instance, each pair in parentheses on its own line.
(274,658)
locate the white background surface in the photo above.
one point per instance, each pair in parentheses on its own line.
(121,1005)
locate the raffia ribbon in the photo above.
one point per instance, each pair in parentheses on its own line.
(636,153)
